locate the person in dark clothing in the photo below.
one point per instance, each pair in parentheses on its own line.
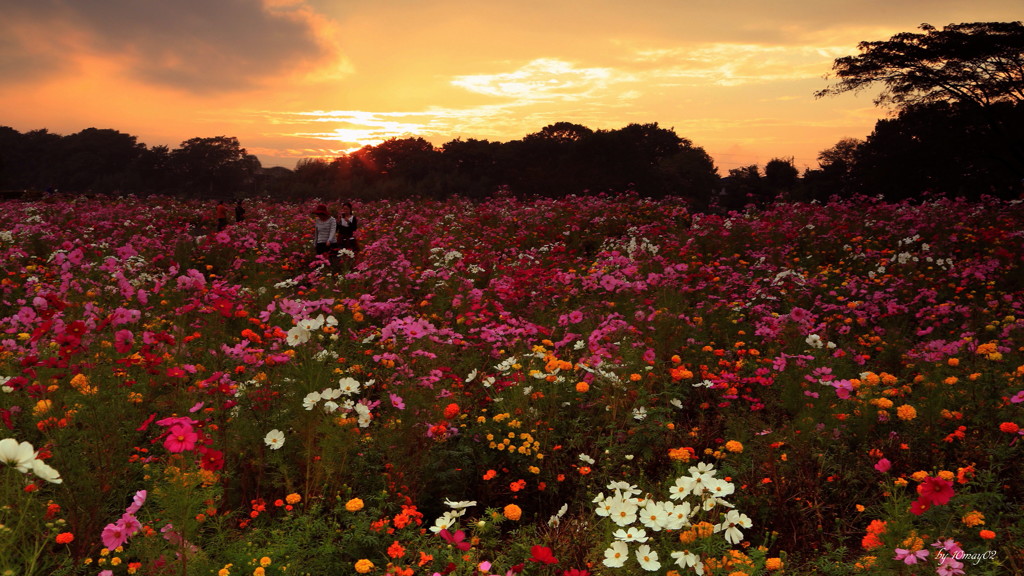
(239,211)
(222,216)
(347,225)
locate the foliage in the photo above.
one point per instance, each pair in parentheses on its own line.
(459,396)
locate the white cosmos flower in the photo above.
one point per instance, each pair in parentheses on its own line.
(309,402)
(628,490)
(363,415)
(18,455)
(312,324)
(623,512)
(446,521)
(653,515)
(719,488)
(330,407)
(555,520)
(460,504)
(274,439)
(44,471)
(348,386)
(677,516)
(731,524)
(630,534)
(297,335)
(330,394)
(647,558)
(685,559)
(616,554)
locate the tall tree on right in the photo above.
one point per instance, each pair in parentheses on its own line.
(975,68)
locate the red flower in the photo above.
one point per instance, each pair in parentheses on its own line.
(935,490)
(212,460)
(919,506)
(542,554)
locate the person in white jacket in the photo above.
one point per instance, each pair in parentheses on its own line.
(325,229)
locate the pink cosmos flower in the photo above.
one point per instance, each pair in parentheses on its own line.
(910,558)
(181,438)
(114,535)
(883,465)
(137,501)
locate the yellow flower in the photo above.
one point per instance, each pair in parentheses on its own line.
(906,412)
(293,498)
(42,407)
(363,566)
(734,446)
(354,505)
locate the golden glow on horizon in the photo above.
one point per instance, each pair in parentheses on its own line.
(316,78)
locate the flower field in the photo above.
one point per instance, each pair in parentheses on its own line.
(589,385)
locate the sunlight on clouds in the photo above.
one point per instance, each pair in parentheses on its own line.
(542,79)
(736,64)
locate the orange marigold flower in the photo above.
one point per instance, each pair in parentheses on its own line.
(582,387)
(354,505)
(513,512)
(734,446)
(684,454)
(396,550)
(293,498)
(973,518)
(424,558)
(773,563)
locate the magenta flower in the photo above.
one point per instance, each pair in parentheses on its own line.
(181,438)
(458,539)
(883,465)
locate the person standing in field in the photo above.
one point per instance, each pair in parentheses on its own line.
(222,215)
(239,211)
(324,229)
(347,226)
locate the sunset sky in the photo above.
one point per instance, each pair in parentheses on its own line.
(303,78)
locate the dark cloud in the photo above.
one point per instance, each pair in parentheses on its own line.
(193,45)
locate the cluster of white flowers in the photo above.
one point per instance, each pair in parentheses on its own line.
(24,458)
(700,493)
(449,519)
(304,329)
(6,236)
(815,341)
(347,387)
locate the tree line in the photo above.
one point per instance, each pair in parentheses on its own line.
(956,97)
